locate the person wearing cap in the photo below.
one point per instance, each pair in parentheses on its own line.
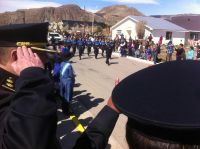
(109,48)
(97,134)
(155,121)
(80,45)
(28,112)
(161,121)
(96,46)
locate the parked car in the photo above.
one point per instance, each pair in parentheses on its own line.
(57,37)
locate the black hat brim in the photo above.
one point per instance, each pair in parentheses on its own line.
(163,97)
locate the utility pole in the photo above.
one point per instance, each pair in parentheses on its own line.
(84,22)
(92,23)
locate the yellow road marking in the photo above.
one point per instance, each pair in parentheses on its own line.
(78,125)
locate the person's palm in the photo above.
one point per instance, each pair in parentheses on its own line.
(25,59)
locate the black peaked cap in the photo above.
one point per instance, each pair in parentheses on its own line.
(11,34)
(163,101)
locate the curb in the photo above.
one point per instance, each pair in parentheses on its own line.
(135,59)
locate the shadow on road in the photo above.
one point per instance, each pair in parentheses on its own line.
(82,102)
(114,57)
(86,58)
(114,63)
(79,92)
(77,85)
(87,102)
(72,62)
(66,132)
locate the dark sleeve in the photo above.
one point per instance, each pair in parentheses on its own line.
(30,122)
(98,132)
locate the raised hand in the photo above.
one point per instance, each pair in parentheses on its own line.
(25,59)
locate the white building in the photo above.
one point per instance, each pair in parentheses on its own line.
(156,26)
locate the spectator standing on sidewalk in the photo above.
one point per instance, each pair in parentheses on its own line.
(180,53)
(155,53)
(190,54)
(148,53)
(198,53)
(170,50)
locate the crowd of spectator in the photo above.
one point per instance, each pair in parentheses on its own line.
(148,50)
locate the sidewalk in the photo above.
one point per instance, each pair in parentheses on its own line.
(135,59)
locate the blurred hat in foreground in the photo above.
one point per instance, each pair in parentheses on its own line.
(163,101)
(30,35)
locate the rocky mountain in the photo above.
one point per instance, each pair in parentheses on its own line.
(113,14)
(109,15)
(65,12)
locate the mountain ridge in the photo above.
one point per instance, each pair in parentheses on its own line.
(108,15)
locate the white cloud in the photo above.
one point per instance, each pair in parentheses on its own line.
(193,8)
(13,5)
(135,1)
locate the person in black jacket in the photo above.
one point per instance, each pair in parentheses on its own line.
(98,132)
(109,49)
(180,53)
(28,111)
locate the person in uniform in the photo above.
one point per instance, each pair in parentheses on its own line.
(74,44)
(103,46)
(156,120)
(109,48)
(68,42)
(89,46)
(80,45)
(28,112)
(96,47)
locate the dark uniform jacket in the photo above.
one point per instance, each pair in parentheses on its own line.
(98,132)
(27,111)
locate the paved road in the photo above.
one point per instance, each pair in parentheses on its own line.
(94,84)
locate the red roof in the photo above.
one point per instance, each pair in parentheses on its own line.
(189,22)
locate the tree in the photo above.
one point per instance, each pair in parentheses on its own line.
(99,29)
(56,27)
(140,29)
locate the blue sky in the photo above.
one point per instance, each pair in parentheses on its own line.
(148,7)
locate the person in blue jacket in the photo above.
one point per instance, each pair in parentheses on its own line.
(103,46)
(80,45)
(96,47)
(67,80)
(190,54)
(89,46)
(74,45)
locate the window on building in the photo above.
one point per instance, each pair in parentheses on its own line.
(168,35)
(194,36)
(119,32)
